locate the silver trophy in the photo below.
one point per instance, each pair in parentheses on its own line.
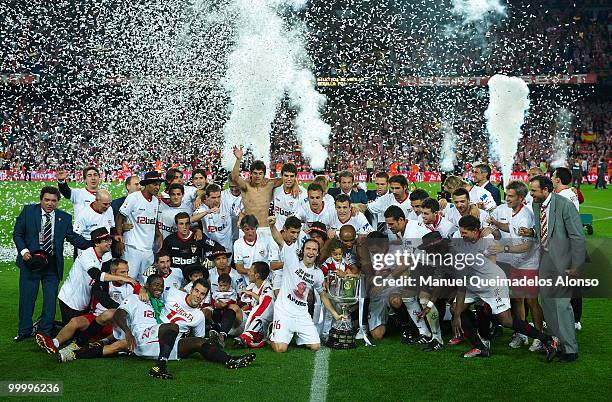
(345,292)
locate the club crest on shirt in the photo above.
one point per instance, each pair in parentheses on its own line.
(261,253)
(194,248)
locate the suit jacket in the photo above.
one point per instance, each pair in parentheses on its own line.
(357,197)
(116,204)
(566,243)
(372,195)
(27,230)
(494,192)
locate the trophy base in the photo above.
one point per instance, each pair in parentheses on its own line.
(341,339)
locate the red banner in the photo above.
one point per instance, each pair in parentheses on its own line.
(561,79)
(120,175)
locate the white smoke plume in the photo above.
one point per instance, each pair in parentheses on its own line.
(478,11)
(562,140)
(448,156)
(473,18)
(265,64)
(508,106)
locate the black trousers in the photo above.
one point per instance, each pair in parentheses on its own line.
(68,313)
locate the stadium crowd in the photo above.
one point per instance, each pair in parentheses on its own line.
(47,125)
(195,267)
(412,39)
(391,131)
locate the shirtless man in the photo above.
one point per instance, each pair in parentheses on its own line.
(257,191)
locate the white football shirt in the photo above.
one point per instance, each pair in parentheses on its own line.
(81,198)
(174,279)
(118,292)
(529,260)
(380,205)
(262,249)
(177,311)
(76,290)
(503,214)
(89,220)
(452,214)
(442,225)
(285,204)
(218,227)
(142,214)
(359,222)
(165,217)
(480,194)
(308,216)
(296,284)
(140,314)
(570,195)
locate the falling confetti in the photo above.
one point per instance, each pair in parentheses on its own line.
(136,85)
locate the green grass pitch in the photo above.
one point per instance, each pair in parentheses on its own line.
(389,371)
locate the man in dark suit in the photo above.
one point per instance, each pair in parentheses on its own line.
(42,227)
(357,195)
(602,171)
(562,254)
(482,177)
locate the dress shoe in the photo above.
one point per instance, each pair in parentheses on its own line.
(568,357)
(21,337)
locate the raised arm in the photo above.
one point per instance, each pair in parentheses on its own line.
(238,153)
(62,184)
(275,233)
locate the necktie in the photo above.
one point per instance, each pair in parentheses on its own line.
(47,244)
(543,226)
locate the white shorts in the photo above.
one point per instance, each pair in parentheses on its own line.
(378,312)
(147,344)
(496,298)
(286,325)
(138,262)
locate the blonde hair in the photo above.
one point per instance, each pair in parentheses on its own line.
(453,183)
(322,180)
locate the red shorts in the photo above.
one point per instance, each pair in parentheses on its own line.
(106,331)
(526,290)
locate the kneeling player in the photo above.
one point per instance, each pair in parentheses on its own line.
(497,303)
(262,307)
(226,312)
(300,274)
(106,297)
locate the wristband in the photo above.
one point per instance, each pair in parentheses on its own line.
(430,304)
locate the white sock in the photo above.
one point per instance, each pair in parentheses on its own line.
(414,308)
(56,342)
(433,318)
